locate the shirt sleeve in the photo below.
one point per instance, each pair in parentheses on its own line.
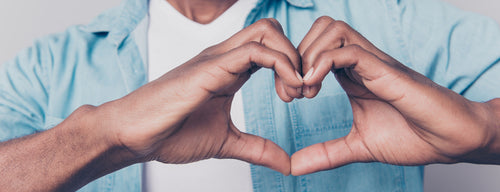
(457,49)
(24,92)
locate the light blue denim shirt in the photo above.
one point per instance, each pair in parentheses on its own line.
(106,59)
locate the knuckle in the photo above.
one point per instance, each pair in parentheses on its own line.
(308,57)
(341,25)
(356,49)
(323,20)
(273,21)
(325,58)
(85,109)
(210,51)
(307,61)
(267,25)
(358,52)
(339,29)
(323,55)
(253,46)
(282,58)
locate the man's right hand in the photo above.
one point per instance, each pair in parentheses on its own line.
(184,116)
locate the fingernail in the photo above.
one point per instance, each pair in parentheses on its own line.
(299,76)
(309,74)
(299,90)
(306,90)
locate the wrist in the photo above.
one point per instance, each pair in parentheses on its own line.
(87,119)
(493,126)
(81,140)
(485,133)
(99,124)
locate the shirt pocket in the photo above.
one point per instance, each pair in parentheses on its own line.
(321,119)
(324,117)
(329,117)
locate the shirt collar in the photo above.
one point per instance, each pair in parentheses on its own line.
(122,20)
(301,3)
(119,22)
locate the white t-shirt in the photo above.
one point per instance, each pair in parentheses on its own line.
(173,39)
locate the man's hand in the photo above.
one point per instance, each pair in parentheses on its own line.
(184,116)
(400,116)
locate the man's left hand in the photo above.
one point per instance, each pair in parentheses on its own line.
(399,116)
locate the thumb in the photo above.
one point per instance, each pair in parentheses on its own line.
(256,150)
(325,156)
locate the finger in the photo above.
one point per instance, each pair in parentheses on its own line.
(316,30)
(292,92)
(258,151)
(267,32)
(281,90)
(325,156)
(315,42)
(411,93)
(335,34)
(311,91)
(352,88)
(396,84)
(242,59)
(365,65)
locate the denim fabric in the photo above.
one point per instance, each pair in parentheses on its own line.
(106,60)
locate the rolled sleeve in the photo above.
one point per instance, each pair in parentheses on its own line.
(484,53)
(457,49)
(23,92)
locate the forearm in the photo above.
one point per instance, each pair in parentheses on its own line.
(63,158)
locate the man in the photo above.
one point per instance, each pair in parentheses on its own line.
(67,71)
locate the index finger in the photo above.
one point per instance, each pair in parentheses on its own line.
(267,32)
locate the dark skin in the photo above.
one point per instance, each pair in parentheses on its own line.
(202,11)
(188,117)
(181,117)
(400,117)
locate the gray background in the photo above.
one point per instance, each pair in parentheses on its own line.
(24,20)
